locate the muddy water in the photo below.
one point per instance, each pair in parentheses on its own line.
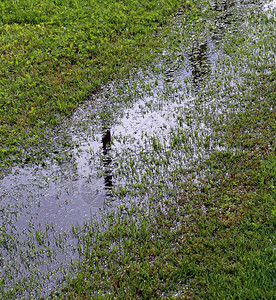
(135,131)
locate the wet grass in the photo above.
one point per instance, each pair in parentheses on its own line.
(214,240)
(56,53)
(211,234)
(204,229)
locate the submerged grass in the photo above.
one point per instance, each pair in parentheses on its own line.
(56,53)
(217,241)
(216,238)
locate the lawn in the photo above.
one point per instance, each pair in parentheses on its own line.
(55,54)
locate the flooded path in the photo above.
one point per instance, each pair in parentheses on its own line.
(124,144)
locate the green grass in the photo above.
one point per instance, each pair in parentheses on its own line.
(225,251)
(55,54)
(216,239)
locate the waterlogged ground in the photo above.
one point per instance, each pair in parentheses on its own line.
(126,146)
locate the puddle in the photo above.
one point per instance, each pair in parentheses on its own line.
(67,192)
(270,6)
(134,131)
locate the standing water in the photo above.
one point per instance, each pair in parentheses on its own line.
(132,133)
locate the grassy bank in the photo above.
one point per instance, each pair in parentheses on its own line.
(216,238)
(56,53)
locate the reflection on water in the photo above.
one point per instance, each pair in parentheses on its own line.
(222,5)
(78,184)
(199,62)
(107,160)
(69,190)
